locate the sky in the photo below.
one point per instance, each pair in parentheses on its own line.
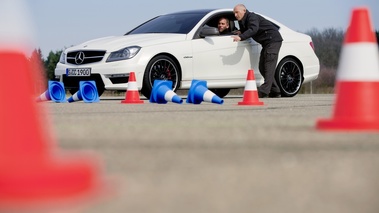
(58,24)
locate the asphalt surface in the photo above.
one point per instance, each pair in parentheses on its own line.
(210,158)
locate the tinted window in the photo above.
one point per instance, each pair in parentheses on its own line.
(172,23)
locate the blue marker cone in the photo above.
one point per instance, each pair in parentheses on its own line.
(162,93)
(87,92)
(199,92)
(55,92)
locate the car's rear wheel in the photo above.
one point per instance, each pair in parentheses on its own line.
(161,67)
(289,77)
(220,92)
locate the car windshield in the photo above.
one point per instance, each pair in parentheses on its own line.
(172,23)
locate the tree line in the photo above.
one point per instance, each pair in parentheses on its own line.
(327,43)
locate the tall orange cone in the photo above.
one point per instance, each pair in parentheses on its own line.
(250,94)
(132,94)
(357,82)
(33,174)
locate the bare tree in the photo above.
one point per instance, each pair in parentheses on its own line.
(328,45)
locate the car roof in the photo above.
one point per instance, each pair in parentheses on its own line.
(198,11)
(204,12)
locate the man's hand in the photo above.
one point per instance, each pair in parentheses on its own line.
(236,38)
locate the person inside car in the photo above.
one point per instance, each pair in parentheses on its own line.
(223,26)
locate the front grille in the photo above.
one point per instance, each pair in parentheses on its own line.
(88,56)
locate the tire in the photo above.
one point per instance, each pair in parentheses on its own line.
(220,92)
(289,77)
(160,68)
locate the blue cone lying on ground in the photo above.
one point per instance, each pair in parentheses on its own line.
(55,92)
(87,92)
(162,93)
(199,92)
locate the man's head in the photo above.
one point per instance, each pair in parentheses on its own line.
(223,24)
(239,11)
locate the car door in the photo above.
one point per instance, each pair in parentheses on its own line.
(217,59)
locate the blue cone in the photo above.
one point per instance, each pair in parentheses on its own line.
(162,93)
(87,92)
(199,92)
(55,92)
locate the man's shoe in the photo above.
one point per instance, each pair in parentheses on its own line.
(262,95)
(274,95)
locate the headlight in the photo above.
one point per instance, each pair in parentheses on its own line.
(62,59)
(123,54)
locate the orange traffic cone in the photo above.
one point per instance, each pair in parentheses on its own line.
(32,176)
(132,94)
(357,82)
(250,94)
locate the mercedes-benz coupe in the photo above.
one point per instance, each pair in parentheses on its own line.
(183,46)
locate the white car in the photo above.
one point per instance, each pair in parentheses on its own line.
(181,47)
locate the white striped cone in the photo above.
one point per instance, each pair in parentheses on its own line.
(35,175)
(162,93)
(357,81)
(132,93)
(87,92)
(250,94)
(208,96)
(172,97)
(199,92)
(55,92)
(44,97)
(75,97)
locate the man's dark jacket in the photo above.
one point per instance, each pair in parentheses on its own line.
(260,29)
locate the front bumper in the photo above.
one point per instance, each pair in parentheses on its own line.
(110,76)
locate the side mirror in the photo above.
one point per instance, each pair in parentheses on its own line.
(209,31)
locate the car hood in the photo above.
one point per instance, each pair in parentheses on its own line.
(114,43)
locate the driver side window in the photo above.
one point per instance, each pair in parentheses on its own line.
(225,23)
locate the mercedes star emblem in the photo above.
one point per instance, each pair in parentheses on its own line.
(79,58)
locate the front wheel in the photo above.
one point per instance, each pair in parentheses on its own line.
(160,68)
(289,77)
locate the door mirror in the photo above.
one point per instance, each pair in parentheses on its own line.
(209,31)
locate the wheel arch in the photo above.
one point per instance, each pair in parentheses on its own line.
(288,85)
(146,89)
(173,58)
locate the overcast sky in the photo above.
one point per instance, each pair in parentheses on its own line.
(62,23)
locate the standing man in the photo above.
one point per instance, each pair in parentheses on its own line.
(264,32)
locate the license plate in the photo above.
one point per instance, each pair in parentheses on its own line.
(78,71)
